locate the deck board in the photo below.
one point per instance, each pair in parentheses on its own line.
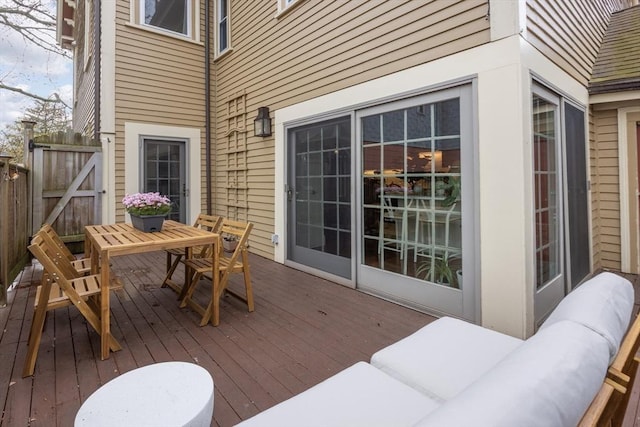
(304,329)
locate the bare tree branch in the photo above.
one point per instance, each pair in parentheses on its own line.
(56,97)
(35,22)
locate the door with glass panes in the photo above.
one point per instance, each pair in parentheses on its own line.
(548,202)
(319,196)
(163,171)
(415,202)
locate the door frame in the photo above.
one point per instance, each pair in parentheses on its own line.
(629,210)
(132,133)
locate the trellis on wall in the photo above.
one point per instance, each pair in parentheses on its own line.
(236,190)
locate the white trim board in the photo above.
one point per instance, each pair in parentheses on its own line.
(132,134)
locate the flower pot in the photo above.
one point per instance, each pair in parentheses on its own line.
(147,223)
(229,245)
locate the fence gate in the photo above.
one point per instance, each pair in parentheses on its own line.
(66,186)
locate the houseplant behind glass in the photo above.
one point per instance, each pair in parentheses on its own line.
(147,210)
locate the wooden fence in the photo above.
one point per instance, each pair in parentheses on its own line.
(14,224)
(67,184)
(62,186)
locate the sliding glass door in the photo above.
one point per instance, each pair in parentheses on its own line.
(416,201)
(319,196)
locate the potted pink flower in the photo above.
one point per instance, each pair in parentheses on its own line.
(147,210)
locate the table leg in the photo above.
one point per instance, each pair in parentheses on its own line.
(105,320)
(188,253)
(215,315)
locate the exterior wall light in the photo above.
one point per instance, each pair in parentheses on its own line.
(262,123)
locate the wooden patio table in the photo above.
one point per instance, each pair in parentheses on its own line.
(104,241)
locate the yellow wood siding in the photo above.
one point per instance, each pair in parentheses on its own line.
(569,32)
(315,49)
(594,178)
(159,79)
(605,189)
(84,84)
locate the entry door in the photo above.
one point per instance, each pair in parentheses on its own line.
(163,171)
(547,175)
(416,202)
(319,196)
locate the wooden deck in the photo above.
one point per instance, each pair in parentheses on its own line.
(304,329)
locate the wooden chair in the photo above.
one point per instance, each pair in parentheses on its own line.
(82,265)
(238,262)
(61,286)
(207,222)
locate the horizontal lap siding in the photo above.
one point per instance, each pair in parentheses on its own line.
(605,189)
(159,80)
(569,32)
(318,48)
(594,179)
(84,97)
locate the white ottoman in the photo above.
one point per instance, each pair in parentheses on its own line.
(163,394)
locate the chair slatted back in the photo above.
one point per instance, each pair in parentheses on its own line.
(211,223)
(48,230)
(82,266)
(54,263)
(238,231)
(58,256)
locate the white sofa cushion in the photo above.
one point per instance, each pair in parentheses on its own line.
(361,395)
(603,304)
(444,357)
(548,381)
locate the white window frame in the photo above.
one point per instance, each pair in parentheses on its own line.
(191,20)
(88,34)
(286,4)
(219,20)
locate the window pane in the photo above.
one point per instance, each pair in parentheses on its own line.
(172,15)
(393,126)
(223,36)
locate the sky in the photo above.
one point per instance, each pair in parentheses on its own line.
(32,69)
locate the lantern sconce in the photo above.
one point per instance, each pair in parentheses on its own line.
(262,123)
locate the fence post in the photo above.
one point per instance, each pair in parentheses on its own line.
(27,134)
(4,224)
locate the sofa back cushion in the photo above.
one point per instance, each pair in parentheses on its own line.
(602,304)
(444,357)
(549,380)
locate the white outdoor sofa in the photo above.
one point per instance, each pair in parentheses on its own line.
(452,373)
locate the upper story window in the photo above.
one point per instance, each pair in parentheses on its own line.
(284,4)
(223,29)
(170,15)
